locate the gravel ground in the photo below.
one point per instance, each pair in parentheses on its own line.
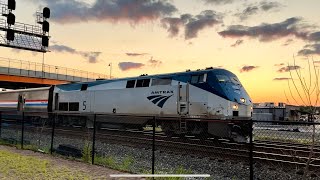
(165,162)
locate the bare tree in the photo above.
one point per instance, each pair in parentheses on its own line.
(308,92)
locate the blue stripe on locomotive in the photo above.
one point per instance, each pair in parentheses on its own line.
(224,90)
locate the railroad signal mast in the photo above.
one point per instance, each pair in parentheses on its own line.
(42,19)
(24,36)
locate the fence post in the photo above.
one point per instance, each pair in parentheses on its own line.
(93,138)
(153,143)
(22,130)
(52,133)
(251,150)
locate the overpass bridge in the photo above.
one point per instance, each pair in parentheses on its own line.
(17,74)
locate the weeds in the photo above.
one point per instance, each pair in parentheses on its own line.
(110,162)
(86,152)
(16,166)
(275,138)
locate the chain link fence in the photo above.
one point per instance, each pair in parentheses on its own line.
(223,149)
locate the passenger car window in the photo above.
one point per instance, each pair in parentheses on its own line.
(130,83)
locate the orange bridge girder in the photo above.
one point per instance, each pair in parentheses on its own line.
(23,79)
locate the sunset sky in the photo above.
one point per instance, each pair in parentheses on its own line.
(255,39)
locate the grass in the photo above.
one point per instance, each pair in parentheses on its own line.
(26,146)
(178,170)
(275,138)
(150,128)
(16,166)
(86,152)
(110,162)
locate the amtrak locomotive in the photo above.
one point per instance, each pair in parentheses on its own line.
(199,96)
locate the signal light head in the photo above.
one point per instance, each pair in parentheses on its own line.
(45,26)
(46,12)
(45,41)
(11,19)
(10,35)
(12,4)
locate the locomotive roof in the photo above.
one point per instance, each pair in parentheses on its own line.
(26,90)
(167,75)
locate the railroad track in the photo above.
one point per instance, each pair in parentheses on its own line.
(263,151)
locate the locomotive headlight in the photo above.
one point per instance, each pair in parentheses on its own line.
(235,107)
(243,100)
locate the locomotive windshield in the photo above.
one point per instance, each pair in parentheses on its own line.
(227,85)
(226,79)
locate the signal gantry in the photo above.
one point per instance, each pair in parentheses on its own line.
(24,36)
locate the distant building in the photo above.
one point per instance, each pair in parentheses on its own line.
(269,112)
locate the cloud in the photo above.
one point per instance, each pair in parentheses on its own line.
(288,68)
(281,79)
(288,42)
(191,24)
(92,57)
(267,6)
(311,49)
(315,36)
(268,32)
(62,48)
(154,63)
(237,43)
(281,64)
(173,25)
(218,2)
(136,54)
(248,68)
(126,66)
(133,11)
(253,9)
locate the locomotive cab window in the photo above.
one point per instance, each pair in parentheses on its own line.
(143,83)
(131,83)
(235,81)
(223,78)
(157,82)
(84,87)
(198,78)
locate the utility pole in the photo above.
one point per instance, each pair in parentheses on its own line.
(43,73)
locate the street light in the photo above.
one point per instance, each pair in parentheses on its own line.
(110,65)
(56,72)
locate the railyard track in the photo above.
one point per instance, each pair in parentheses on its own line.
(292,154)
